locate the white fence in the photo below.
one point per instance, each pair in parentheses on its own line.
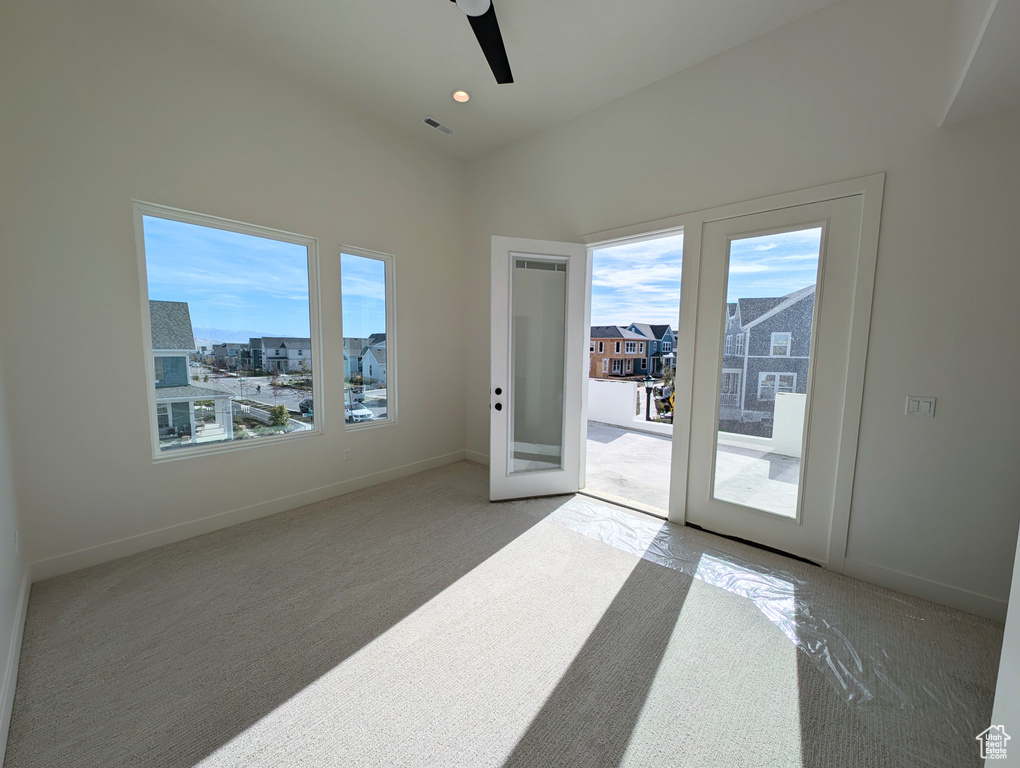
(255,413)
(617,403)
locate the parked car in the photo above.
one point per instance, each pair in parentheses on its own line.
(357,412)
(306,405)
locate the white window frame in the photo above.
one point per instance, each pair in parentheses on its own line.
(777,339)
(731,375)
(311,244)
(728,346)
(777,388)
(605,365)
(616,349)
(602,346)
(644,364)
(158,371)
(641,347)
(738,344)
(618,366)
(390,365)
(630,347)
(667,346)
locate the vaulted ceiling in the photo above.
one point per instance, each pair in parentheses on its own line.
(399,60)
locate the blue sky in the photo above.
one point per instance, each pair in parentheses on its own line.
(363,293)
(640,282)
(773,265)
(231,281)
(637,282)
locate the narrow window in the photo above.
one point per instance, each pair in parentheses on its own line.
(366,288)
(780,344)
(617,348)
(602,346)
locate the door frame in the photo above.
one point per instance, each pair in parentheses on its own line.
(871,189)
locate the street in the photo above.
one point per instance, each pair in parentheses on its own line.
(247,387)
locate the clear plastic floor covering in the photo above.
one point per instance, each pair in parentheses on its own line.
(865,669)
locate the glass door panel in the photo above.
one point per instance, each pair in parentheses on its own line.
(538,297)
(771,287)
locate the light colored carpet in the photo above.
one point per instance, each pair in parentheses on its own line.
(415,624)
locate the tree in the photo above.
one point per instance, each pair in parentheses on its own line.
(278,416)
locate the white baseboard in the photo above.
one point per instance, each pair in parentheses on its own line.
(103,553)
(946,594)
(10,679)
(477,458)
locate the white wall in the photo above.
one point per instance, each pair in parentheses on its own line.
(850,90)
(613,402)
(1006,710)
(102,104)
(12,578)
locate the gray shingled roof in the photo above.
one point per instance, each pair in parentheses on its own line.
(752,309)
(283,341)
(190,392)
(652,331)
(171,325)
(614,332)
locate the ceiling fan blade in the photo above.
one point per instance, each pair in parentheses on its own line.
(486,29)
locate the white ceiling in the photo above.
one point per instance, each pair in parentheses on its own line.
(400,59)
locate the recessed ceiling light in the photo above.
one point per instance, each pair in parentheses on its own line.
(461,96)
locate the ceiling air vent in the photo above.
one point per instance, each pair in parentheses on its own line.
(429,120)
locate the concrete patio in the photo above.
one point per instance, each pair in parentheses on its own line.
(633,468)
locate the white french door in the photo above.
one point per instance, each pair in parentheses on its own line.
(766,429)
(774,319)
(538,371)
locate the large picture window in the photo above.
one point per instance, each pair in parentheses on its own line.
(231,331)
(366,293)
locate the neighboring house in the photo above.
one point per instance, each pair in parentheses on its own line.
(173,342)
(354,348)
(766,346)
(616,351)
(373,365)
(228,355)
(660,351)
(256,352)
(286,355)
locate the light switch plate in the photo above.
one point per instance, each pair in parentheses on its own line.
(920,406)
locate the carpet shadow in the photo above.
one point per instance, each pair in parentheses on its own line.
(590,716)
(226,627)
